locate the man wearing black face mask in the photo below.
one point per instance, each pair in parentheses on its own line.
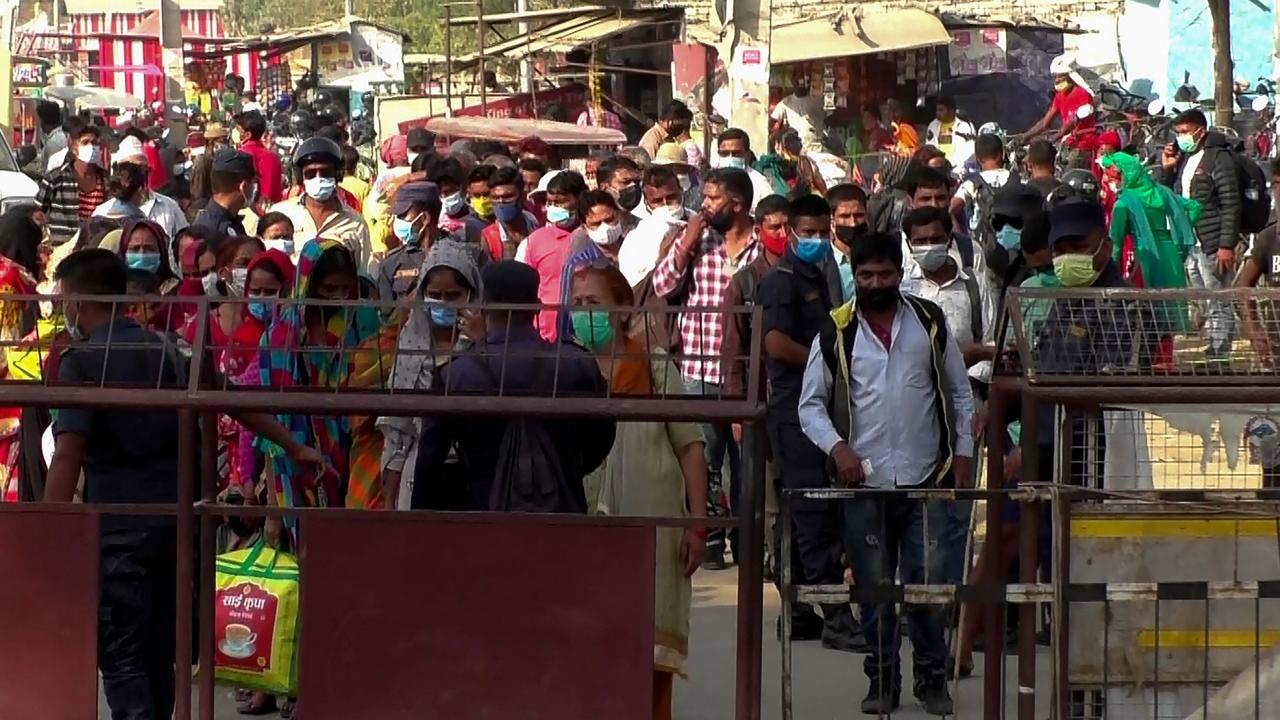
(620,177)
(848,222)
(885,396)
(697,269)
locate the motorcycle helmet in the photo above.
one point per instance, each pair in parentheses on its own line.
(991,128)
(318,149)
(300,123)
(1078,185)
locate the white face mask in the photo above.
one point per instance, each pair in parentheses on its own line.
(89,154)
(669,214)
(320,188)
(412,156)
(452,203)
(606,234)
(685,182)
(284,245)
(239,277)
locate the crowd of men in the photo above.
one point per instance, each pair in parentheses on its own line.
(880,307)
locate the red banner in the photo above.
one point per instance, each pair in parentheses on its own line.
(568,102)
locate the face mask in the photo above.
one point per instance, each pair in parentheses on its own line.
(560,217)
(260,312)
(251,194)
(284,245)
(1075,269)
(320,188)
(722,221)
(591,328)
(239,277)
(877,299)
(412,156)
(482,206)
(506,211)
(849,233)
(733,162)
(89,154)
(442,316)
(774,242)
(1009,237)
(669,214)
(606,234)
(452,204)
(629,197)
(209,283)
(76,333)
(405,230)
(930,258)
(237,137)
(1186,143)
(148,261)
(812,249)
(1062,86)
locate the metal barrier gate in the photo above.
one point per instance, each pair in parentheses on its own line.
(573,650)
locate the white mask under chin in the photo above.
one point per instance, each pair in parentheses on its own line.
(606,234)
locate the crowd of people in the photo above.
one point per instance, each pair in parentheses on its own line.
(880,309)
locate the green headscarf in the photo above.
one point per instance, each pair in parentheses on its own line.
(1136,179)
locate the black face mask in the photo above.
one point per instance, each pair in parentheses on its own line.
(877,299)
(722,221)
(629,197)
(848,233)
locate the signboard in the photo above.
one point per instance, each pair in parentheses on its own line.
(977,51)
(572,99)
(750,64)
(369,55)
(30,74)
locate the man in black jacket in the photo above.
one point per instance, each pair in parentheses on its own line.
(1199,166)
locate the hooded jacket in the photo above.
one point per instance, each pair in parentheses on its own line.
(1216,186)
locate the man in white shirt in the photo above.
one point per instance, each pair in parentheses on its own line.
(969,206)
(886,397)
(318,212)
(802,112)
(663,212)
(129,177)
(949,133)
(734,149)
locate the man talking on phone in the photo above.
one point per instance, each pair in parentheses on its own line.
(1199,166)
(886,397)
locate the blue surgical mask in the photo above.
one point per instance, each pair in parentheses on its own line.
(453,204)
(733,162)
(148,261)
(320,188)
(506,211)
(560,216)
(812,249)
(260,312)
(405,230)
(442,315)
(1009,237)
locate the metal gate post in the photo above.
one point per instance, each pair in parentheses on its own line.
(208,550)
(750,552)
(185,585)
(1028,564)
(993,652)
(786,588)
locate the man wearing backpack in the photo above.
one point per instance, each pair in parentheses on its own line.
(518,463)
(797,296)
(1201,166)
(971,206)
(885,396)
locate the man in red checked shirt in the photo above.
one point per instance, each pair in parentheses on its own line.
(1079,134)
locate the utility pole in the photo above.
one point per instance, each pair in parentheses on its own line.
(171,54)
(484,90)
(1223,67)
(349,7)
(448,60)
(526,63)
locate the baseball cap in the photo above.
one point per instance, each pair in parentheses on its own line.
(411,194)
(234,162)
(545,182)
(670,154)
(1075,219)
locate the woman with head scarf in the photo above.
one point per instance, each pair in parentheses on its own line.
(654,468)
(1151,232)
(330,335)
(433,333)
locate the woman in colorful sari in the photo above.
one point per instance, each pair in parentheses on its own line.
(1151,233)
(19,268)
(329,334)
(655,468)
(432,335)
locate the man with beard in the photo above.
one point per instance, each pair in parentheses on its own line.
(699,267)
(885,396)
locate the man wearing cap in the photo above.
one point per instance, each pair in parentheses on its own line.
(415,212)
(233,182)
(525,364)
(1071,93)
(318,212)
(129,184)
(215,138)
(251,127)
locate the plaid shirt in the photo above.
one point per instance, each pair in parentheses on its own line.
(710,271)
(60,199)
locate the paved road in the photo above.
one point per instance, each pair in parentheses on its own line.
(828,684)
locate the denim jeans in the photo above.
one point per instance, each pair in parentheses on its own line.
(955,539)
(885,538)
(1219,317)
(720,444)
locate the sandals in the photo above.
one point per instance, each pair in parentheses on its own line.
(258,704)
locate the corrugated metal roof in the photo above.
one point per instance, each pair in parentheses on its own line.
(566,35)
(132,7)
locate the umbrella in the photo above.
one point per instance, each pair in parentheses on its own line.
(92,97)
(516,129)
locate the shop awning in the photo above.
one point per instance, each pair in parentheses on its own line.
(563,36)
(845,33)
(516,129)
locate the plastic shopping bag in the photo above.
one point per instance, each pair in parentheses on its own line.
(256,620)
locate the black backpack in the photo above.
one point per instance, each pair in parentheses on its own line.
(984,233)
(529,475)
(1255,199)
(885,210)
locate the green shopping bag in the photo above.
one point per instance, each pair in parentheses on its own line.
(256,620)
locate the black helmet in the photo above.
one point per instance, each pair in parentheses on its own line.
(300,121)
(1077,185)
(318,149)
